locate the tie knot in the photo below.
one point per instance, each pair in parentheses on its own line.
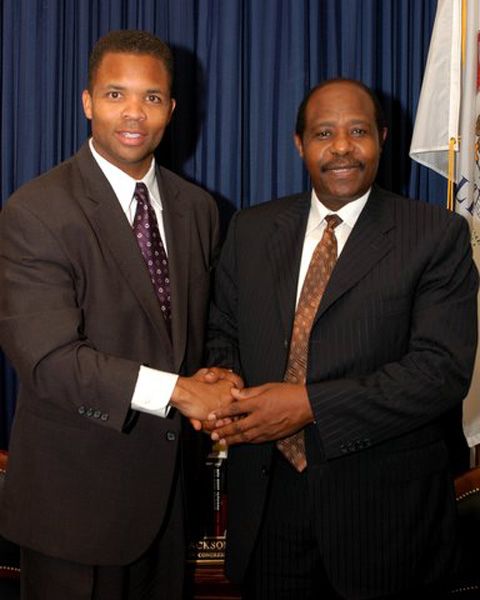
(332,221)
(141,193)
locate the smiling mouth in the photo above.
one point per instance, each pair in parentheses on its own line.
(131,138)
(342,168)
(131,135)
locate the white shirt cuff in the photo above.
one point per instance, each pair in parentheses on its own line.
(153,391)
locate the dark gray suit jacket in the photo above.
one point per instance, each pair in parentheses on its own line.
(78,316)
(390,360)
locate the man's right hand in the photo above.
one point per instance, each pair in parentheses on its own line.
(199,395)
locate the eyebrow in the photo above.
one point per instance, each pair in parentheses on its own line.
(351,122)
(120,88)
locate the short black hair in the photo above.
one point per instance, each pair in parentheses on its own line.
(378,110)
(129,41)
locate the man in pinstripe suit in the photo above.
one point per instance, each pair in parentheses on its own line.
(390,358)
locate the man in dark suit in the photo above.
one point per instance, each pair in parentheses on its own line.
(366,508)
(104,279)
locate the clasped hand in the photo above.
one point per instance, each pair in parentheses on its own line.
(206,391)
(259,414)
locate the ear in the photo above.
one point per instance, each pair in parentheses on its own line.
(383,136)
(172,108)
(87,104)
(298,144)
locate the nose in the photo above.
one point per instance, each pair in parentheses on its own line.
(133,109)
(341,143)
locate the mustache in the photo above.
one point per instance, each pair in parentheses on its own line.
(343,164)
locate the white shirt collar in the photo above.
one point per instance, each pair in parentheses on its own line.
(123,185)
(349,213)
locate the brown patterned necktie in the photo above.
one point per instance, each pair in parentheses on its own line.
(147,234)
(319,271)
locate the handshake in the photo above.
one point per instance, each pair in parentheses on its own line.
(215,400)
(200,396)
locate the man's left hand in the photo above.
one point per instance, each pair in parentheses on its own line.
(268,412)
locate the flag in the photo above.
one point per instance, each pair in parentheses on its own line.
(438,111)
(446,134)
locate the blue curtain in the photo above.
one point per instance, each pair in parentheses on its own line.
(242,69)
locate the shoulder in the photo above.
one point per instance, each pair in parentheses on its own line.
(173,183)
(411,213)
(274,207)
(269,212)
(42,192)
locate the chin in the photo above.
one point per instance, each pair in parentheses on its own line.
(346,193)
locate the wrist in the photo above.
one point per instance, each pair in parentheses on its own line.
(180,394)
(307,411)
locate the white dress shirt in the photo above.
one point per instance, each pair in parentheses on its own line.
(316,225)
(153,388)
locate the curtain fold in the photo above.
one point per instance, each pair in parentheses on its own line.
(242,68)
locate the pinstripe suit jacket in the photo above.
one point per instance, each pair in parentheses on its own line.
(78,316)
(390,360)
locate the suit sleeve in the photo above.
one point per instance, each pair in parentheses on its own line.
(430,378)
(41,324)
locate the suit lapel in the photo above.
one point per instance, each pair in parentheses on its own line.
(285,252)
(177,223)
(108,219)
(366,245)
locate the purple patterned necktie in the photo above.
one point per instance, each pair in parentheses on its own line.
(145,228)
(318,273)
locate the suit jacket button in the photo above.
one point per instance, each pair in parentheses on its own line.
(104,417)
(265,471)
(89,412)
(97,414)
(170,435)
(81,410)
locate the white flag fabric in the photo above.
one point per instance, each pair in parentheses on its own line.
(449,107)
(438,110)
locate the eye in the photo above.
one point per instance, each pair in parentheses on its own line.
(359,131)
(154,99)
(323,133)
(113,94)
